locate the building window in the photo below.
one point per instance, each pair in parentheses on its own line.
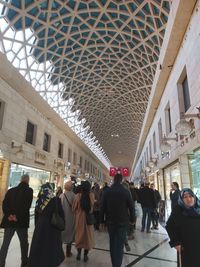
(81,162)
(160,134)
(69,155)
(168,119)
(31,133)
(147,155)
(74,158)
(150,150)
(60,150)
(186,94)
(154,143)
(91,168)
(2,107)
(183,92)
(46,142)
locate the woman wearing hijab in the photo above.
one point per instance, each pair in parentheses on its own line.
(46,247)
(84,234)
(183,227)
(67,199)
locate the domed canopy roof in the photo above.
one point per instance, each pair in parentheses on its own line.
(93,61)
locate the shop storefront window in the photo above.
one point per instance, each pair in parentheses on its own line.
(171,174)
(194,162)
(37,178)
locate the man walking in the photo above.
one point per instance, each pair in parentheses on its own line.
(117,207)
(155,214)
(148,203)
(16,205)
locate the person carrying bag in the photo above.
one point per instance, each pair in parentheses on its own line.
(56,220)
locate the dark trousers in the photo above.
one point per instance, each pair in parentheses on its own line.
(23,238)
(146,212)
(154,218)
(117,236)
(97,219)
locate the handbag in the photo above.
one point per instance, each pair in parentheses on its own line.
(90,219)
(56,220)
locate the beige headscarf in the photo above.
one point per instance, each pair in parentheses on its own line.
(68,186)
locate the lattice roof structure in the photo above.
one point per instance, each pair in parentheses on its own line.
(93,61)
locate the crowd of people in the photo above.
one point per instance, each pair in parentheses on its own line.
(85,209)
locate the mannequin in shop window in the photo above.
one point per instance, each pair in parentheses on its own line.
(174,194)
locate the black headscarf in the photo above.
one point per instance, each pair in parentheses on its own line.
(189,211)
(85,197)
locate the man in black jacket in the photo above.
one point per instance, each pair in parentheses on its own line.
(148,203)
(118,209)
(16,206)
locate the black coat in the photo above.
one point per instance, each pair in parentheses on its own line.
(147,198)
(17,202)
(185,231)
(174,198)
(46,247)
(117,206)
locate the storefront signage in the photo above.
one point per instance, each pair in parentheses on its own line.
(40,158)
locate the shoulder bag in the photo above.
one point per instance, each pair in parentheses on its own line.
(90,218)
(56,220)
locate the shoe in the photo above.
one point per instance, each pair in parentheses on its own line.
(142,230)
(152,228)
(85,258)
(156,227)
(148,231)
(127,247)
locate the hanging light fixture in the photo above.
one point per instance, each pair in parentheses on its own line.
(151,164)
(165,146)
(184,127)
(147,169)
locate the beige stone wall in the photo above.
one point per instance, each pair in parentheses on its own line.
(17,112)
(188,58)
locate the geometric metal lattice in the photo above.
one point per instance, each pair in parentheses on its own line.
(93,61)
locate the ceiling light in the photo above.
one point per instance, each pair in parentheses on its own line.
(114,135)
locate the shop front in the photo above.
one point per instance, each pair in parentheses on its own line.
(194,165)
(37,177)
(171,174)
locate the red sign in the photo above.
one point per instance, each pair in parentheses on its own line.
(123,171)
(112,171)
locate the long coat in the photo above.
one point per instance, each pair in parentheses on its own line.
(84,234)
(174,196)
(185,231)
(17,201)
(69,233)
(46,247)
